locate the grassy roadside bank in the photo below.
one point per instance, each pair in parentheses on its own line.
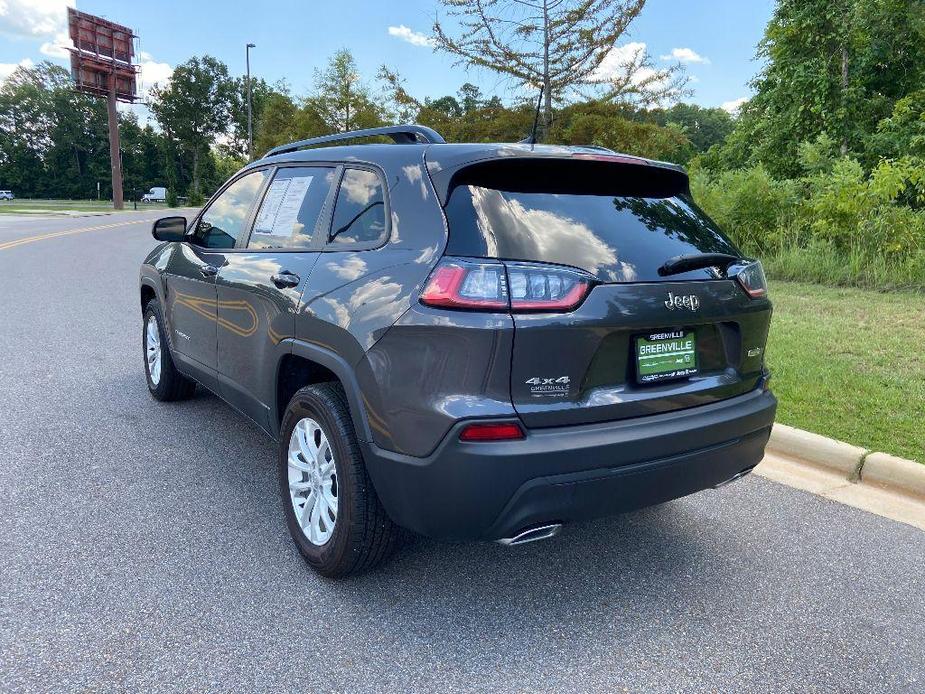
(24,206)
(850,364)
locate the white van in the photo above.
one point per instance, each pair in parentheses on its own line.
(156,194)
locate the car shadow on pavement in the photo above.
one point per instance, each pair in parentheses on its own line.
(638,561)
(635,567)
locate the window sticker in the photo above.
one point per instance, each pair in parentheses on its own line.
(280,210)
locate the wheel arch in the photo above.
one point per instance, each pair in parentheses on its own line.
(149,289)
(304,363)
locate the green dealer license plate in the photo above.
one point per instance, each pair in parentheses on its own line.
(666,355)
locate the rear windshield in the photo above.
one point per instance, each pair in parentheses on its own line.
(572,218)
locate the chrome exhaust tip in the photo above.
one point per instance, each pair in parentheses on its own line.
(539,532)
(737,476)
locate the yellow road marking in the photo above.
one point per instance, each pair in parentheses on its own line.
(69,232)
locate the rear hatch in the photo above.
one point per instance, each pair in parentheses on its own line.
(641,342)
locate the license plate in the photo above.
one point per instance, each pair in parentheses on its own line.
(666,355)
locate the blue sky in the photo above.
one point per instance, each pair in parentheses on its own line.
(295,37)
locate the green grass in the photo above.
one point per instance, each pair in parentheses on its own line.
(23,206)
(822,264)
(850,364)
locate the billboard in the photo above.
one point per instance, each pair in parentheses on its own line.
(100,36)
(101,65)
(102,54)
(91,75)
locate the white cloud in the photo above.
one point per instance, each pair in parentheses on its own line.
(617,60)
(36,19)
(415,38)
(151,72)
(57,48)
(732,107)
(7,69)
(686,55)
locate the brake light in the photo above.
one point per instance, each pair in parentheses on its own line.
(493,286)
(751,278)
(492,431)
(615,158)
(462,284)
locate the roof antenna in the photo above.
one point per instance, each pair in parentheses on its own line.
(536,119)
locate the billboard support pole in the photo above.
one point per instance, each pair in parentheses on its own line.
(114,156)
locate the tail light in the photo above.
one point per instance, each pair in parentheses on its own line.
(751,278)
(494,286)
(545,288)
(464,284)
(492,431)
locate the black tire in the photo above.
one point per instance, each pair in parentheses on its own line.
(172,385)
(363,536)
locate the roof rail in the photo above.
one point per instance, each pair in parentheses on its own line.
(400,134)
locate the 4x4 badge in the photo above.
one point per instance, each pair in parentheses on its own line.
(688,301)
(548,386)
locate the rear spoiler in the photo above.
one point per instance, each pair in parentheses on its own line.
(568,171)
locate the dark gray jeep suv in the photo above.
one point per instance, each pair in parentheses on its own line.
(473,341)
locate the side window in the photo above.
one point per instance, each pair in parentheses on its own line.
(359,213)
(291,207)
(222,224)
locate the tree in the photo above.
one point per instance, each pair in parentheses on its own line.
(341,98)
(53,140)
(260,94)
(704,127)
(143,155)
(615,127)
(564,46)
(193,109)
(903,133)
(831,66)
(470,97)
(282,121)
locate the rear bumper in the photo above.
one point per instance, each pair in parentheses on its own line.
(492,490)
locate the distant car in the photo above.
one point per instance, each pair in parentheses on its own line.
(472,341)
(156,194)
(6,195)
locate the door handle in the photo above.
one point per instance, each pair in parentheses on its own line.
(208,270)
(285,279)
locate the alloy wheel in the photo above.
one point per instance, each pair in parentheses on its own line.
(153,350)
(312,481)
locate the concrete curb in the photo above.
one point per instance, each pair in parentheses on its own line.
(851,463)
(888,471)
(817,450)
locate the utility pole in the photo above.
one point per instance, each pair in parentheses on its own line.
(250,126)
(115,156)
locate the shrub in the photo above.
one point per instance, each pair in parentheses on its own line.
(836,225)
(748,204)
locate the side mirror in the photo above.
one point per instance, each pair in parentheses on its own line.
(169,229)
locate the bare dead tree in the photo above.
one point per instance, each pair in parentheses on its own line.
(567,47)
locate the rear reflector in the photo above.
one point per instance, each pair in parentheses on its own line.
(493,286)
(492,431)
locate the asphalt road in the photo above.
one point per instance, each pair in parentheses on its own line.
(143,548)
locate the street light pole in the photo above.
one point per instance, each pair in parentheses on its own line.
(250,127)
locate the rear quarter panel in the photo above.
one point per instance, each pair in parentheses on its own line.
(354,297)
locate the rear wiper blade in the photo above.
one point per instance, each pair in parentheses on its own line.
(685,263)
